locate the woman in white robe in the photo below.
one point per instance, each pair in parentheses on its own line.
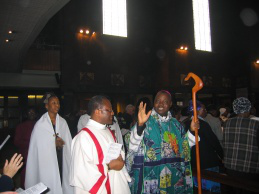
(50,136)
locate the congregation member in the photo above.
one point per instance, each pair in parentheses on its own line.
(22,138)
(89,171)
(213,120)
(240,143)
(158,158)
(176,112)
(9,170)
(224,114)
(49,154)
(211,152)
(253,114)
(82,121)
(128,117)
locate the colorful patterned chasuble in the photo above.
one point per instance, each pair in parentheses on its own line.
(162,162)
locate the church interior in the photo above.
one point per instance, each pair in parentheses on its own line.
(59,46)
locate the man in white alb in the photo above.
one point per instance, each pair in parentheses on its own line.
(114,126)
(90,173)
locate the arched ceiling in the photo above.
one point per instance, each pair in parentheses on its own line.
(26,18)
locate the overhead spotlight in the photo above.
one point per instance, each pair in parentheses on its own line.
(10,32)
(81,31)
(7,40)
(257,61)
(87,31)
(181,47)
(186,48)
(93,33)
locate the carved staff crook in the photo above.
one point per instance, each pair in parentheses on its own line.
(198,86)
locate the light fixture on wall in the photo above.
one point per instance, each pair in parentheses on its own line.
(183,48)
(86,33)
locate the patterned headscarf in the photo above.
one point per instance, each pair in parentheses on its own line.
(190,107)
(241,105)
(47,96)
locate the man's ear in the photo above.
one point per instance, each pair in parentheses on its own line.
(96,112)
(46,106)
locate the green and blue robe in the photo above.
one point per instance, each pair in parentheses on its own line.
(158,161)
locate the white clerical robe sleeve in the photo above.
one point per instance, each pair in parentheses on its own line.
(135,139)
(86,172)
(191,139)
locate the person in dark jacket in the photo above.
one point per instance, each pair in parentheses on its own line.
(22,138)
(128,116)
(211,152)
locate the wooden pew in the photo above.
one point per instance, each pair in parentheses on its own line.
(237,182)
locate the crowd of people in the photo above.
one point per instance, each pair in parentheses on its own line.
(157,153)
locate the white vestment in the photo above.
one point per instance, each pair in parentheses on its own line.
(42,163)
(84,170)
(82,121)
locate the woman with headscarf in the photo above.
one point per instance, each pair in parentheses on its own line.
(49,151)
(211,152)
(240,138)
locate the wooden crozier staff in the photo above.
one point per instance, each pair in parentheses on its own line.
(198,85)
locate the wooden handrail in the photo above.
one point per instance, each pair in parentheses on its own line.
(225,179)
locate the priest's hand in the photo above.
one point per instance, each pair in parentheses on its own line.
(10,168)
(142,116)
(59,142)
(194,125)
(116,164)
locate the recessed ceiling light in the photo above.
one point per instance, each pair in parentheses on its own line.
(10,31)
(7,40)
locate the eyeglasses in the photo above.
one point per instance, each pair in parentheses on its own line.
(110,111)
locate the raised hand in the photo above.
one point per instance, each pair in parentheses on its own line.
(142,116)
(11,168)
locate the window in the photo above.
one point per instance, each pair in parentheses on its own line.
(201,20)
(115,17)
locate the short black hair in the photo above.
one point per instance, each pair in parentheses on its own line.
(96,102)
(165,92)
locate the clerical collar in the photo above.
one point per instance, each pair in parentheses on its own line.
(96,124)
(161,118)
